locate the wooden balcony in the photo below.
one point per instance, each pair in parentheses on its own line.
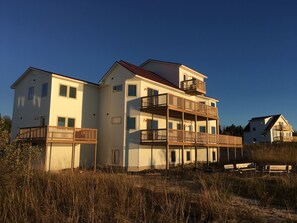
(283,128)
(188,138)
(155,104)
(56,134)
(194,87)
(283,139)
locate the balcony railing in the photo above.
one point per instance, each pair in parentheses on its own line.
(180,136)
(178,103)
(283,139)
(58,134)
(283,128)
(194,86)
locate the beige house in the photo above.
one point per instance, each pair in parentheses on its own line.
(60,114)
(155,115)
(268,129)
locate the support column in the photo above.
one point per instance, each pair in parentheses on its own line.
(72,157)
(46,155)
(241,152)
(183,147)
(95,157)
(195,141)
(167,137)
(207,148)
(219,154)
(228,154)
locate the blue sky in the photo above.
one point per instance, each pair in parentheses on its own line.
(247,48)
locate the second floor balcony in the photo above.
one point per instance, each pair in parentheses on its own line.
(155,102)
(194,86)
(57,134)
(283,128)
(189,138)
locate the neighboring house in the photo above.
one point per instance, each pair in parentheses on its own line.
(268,129)
(155,115)
(63,107)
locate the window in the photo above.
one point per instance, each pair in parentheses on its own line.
(190,128)
(72,92)
(170,125)
(173,158)
(61,121)
(63,90)
(214,157)
(131,90)
(115,156)
(179,126)
(213,130)
(31,93)
(202,129)
(44,90)
(212,104)
(117,88)
(71,122)
(254,129)
(188,156)
(116,120)
(131,123)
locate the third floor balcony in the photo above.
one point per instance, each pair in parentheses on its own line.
(194,86)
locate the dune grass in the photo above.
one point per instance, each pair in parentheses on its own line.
(178,195)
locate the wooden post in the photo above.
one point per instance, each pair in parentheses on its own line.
(95,157)
(195,141)
(46,155)
(72,156)
(167,136)
(228,154)
(219,154)
(207,153)
(183,146)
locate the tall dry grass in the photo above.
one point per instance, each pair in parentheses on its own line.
(284,153)
(29,195)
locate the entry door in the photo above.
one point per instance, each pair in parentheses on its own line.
(152,125)
(153,101)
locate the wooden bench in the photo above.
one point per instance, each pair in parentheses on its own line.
(245,167)
(229,167)
(278,168)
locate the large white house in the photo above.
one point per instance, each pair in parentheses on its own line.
(155,115)
(268,129)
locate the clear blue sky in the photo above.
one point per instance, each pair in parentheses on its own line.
(247,48)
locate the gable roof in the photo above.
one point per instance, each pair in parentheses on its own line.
(147,74)
(50,73)
(272,122)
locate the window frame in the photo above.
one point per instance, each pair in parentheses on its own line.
(188,155)
(31,93)
(75,92)
(73,122)
(60,117)
(44,89)
(129,90)
(131,126)
(117,88)
(66,93)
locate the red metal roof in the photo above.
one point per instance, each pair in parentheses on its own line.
(147,74)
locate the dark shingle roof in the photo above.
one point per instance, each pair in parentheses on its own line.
(272,122)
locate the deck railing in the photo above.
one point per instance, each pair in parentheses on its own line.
(180,103)
(180,136)
(283,128)
(57,133)
(194,85)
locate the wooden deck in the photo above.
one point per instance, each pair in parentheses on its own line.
(56,134)
(180,137)
(159,103)
(194,86)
